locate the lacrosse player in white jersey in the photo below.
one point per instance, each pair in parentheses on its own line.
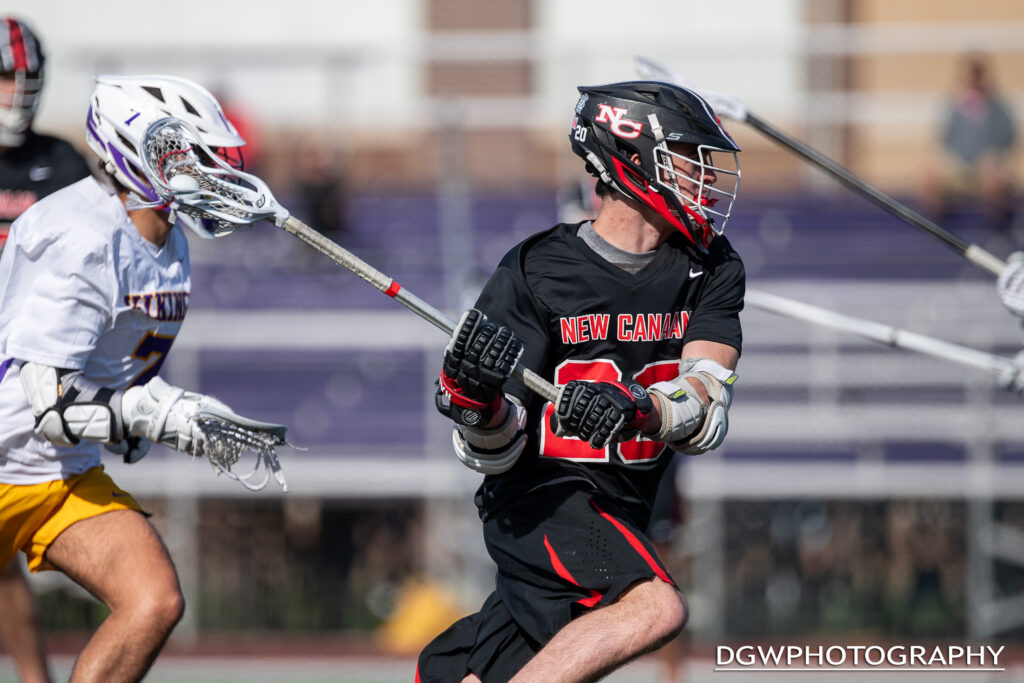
(94,285)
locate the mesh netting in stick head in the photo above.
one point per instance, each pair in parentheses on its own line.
(198,183)
(224,444)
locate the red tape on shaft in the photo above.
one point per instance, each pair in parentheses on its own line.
(393,289)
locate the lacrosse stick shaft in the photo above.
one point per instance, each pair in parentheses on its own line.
(730,107)
(381,282)
(971,252)
(880,332)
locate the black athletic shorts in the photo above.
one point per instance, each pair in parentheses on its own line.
(561,550)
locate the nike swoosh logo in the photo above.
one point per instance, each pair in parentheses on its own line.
(119,494)
(694,274)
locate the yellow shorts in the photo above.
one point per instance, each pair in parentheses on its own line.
(33,515)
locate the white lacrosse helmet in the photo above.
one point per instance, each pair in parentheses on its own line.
(122,107)
(21,66)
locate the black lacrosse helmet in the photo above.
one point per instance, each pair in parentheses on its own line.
(615,121)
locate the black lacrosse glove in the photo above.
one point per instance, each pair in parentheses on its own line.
(601,412)
(479,359)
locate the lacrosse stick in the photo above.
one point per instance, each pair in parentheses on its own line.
(730,107)
(1006,369)
(199,184)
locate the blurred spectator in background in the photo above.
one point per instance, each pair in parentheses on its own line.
(31,166)
(320,189)
(977,139)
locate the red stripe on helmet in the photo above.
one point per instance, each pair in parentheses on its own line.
(657,202)
(636,544)
(19,52)
(560,569)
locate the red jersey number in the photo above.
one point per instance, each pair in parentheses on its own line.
(639,449)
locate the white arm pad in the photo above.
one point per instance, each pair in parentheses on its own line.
(687,424)
(492,451)
(68,407)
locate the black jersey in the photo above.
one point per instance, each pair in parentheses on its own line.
(41,166)
(580,317)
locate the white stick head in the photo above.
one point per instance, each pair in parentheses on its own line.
(723,105)
(208,195)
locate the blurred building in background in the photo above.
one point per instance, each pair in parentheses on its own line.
(862,491)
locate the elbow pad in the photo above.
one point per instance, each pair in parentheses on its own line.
(689,425)
(492,451)
(68,407)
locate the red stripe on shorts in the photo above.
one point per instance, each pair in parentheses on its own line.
(637,545)
(595,596)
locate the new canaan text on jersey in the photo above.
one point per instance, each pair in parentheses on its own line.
(162,306)
(641,327)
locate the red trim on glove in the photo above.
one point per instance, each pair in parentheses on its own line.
(454,391)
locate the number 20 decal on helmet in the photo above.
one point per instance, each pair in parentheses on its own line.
(662,145)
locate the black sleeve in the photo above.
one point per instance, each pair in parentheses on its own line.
(506,299)
(71,167)
(716,317)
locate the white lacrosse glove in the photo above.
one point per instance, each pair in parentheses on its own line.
(165,414)
(1011,284)
(201,425)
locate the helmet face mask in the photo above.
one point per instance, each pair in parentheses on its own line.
(702,188)
(122,107)
(21,80)
(653,142)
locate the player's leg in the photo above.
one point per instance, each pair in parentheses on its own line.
(119,558)
(582,578)
(644,618)
(19,625)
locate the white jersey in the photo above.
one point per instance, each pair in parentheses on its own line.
(81,289)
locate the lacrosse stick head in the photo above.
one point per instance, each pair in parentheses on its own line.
(207,194)
(225,438)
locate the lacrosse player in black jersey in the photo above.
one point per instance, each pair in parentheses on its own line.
(635,315)
(32,166)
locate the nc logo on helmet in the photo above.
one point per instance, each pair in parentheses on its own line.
(620,126)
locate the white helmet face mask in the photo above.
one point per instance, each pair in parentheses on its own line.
(21,80)
(19,99)
(122,107)
(711,201)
